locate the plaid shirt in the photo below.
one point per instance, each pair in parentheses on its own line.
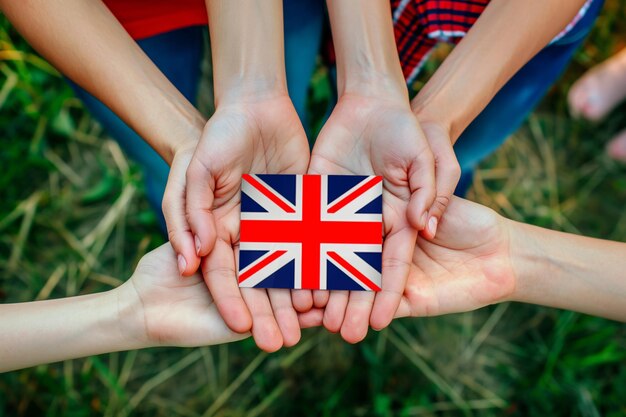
(420,24)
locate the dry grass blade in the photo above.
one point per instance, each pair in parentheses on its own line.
(52,282)
(29,210)
(64,168)
(484,332)
(428,372)
(9,84)
(228,392)
(302,348)
(449,406)
(158,379)
(105,226)
(269,400)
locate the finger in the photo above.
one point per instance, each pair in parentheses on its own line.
(404,309)
(265,330)
(218,269)
(285,315)
(178,230)
(447,174)
(320,298)
(312,318)
(335,310)
(422,185)
(302,300)
(199,206)
(356,322)
(398,250)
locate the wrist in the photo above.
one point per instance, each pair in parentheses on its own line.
(367,56)
(247,90)
(130,317)
(433,112)
(247,48)
(527,259)
(372,84)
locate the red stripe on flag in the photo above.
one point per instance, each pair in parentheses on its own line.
(283,231)
(353,195)
(260,265)
(353,271)
(267,193)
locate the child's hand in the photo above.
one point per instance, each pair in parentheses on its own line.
(366,135)
(159,307)
(249,136)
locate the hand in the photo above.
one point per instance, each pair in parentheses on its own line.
(447,169)
(163,308)
(467,266)
(368,135)
(256,136)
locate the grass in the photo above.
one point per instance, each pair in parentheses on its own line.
(73,220)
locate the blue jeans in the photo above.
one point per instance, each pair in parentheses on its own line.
(179,54)
(514,102)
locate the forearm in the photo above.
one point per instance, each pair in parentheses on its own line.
(53,330)
(567,271)
(367,58)
(506,36)
(248,49)
(86,43)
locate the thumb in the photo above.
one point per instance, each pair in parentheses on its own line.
(199,196)
(447,175)
(178,230)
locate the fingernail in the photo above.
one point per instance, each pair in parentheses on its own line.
(432,226)
(197,244)
(423,220)
(182,264)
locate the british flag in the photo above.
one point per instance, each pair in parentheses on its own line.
(311,232)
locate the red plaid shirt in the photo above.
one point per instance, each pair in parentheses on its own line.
(420,24)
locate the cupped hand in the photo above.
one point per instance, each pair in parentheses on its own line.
(467,266)
(257,136)
(374,136)
(171,310)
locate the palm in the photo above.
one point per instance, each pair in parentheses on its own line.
(260,137)
(177,311)
(467,266)
(264,138)
(377,137)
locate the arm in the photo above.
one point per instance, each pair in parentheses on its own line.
(255,129)
(156,307)
(372,131)
(54,330)
(506,36)
(86,43)
(480,258)
(567,271)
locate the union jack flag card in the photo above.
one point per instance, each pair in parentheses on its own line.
(318,232)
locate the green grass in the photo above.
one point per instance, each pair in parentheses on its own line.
(73,220)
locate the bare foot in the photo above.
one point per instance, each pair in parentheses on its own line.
(602,88)
(616,148)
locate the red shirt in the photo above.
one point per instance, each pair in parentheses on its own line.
(146,18)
